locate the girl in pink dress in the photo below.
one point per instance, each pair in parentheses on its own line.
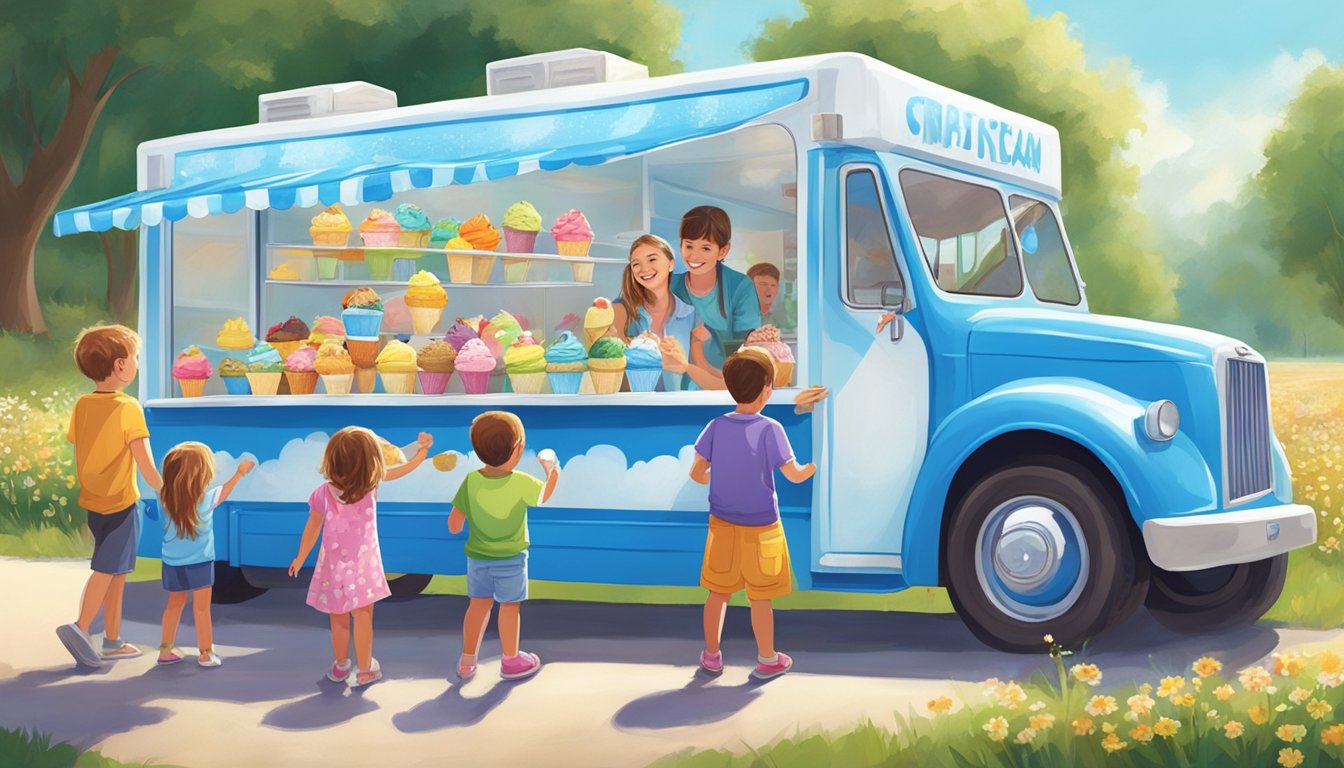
(349,576)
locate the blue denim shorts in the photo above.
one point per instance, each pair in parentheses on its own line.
(115,538)
(504,580)
(188,578)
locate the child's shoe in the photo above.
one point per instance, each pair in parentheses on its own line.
(168,654)
(466,667)
(766,670)
(374,674)
(712,663)
(209,658)
(114,650)
(339,672)
(79,644)
(520,666)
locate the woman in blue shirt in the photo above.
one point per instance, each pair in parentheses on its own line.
(724,299)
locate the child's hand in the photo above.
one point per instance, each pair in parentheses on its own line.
(245,466)
(548,460)
(424,440)
(674,357)
(295,566)
(807,399)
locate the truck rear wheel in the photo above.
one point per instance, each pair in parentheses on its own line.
(1216,598)
(231,586)
(1036,548)
(409,584)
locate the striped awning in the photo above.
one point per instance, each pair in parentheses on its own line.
(374,165)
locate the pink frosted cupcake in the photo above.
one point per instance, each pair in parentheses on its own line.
(767,338)
(474,364)
(191,370)
(573,237)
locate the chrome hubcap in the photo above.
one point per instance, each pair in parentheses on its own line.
(1031,558)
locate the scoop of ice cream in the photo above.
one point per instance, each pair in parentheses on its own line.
(459,334)
(283,272)
(571,226)
(525,356)
(458,244)
(362,298)
(437,357)
(480,233)
(263,358)
(235,335)
(600,315)
(643,352)
(232,367)
(521,216)
(500,333)
(301,360)
(392,455)
(333,219)
(764,333)
(380,221)
(607,348)
(566,349)
(474,356)
(776,349)
(332,359)
(409,216)
(445,229)
(192,364)
(292,329)
(396,357)
(325,327)
(425,290)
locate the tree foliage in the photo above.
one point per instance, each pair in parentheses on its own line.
(996,50)
(1302,183)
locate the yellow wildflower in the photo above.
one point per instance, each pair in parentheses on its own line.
(1197,682)
(1108,727)
(1255,679)
(1291,732)
(1141,732)
(1112,743)
(1329,679)
(1100,706)
(1288,666)
(1233,729)
(1206,666)
(1184,700)
(997,728)
(1011,695)
(1331,544)
(1166,727)
(1318,709)
(1330,663)
(1290,758)
(1258,714)
(940,705)
(1333,735)
(1041,722)
(1223,692)
(1088,674)
(1038,706)
(1169,686)
(1299,695)
(1140,704)
(1025,736)
(1049,639)
(1083,726)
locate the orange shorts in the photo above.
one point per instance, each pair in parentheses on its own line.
(754,557)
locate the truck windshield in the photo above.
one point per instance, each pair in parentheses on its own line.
(963,231)
(1043,253)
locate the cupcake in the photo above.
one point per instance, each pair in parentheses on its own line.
(330,228)
(598,319)
(415,229)
(287,336)
(459,263)
(191,369)
(362,313)
(283,272)
(483,237)
(325,328)
(425,298)
(299,370)
(436,366)
(521,225)
(643,363)
(333,365)
(264,367)
(566,362)
(474,364)
(380,230)
(460,333)
(606,364)
(573,237)
(233,372)
(500,332)
(445,229)
(235,335)
(396,367)
(767,338)
(525,362)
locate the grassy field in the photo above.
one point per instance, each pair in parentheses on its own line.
(21,748)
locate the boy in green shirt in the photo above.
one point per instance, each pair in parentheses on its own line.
(494,502)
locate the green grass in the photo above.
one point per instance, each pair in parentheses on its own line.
(45,542)
(1313,595)
(21,748)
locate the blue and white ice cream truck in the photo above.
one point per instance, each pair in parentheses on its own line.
(1053,468)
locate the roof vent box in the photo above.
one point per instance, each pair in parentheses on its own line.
(323,100)
(557,69)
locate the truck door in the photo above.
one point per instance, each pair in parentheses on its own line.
(876,424)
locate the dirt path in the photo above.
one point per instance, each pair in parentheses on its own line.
(618,687)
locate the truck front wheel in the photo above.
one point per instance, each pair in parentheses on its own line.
(1216,598)
(1039,548)
(231,586)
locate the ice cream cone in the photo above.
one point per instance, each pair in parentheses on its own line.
(330,237)
(606,382)
(337,383)
(643,379)
(474,382)
(593,334)
(434,382)
(518,241)
(286,348)
(572,247)
(423,319)
(364,379)
(264,383)
(459,267)
(301,382)
(398,383)
(583,271)
(192,387)
(527,383)
(515,270)
(326,266)
(481,267)
(783,374)
(363,352)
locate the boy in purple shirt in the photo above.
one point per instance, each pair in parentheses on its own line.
(746,546)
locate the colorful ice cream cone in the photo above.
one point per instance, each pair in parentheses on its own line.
(518,241)
(423,319)
(398,382)
(337,383)
(301,382)
(264,383)
(363,352)
(192,387)
(606,382)
(527,383)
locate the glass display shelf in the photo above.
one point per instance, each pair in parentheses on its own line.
(375,265)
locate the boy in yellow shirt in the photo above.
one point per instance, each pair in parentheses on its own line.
(111,441)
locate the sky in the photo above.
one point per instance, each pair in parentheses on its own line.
(1214,77)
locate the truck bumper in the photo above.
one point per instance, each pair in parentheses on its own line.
(1224,538)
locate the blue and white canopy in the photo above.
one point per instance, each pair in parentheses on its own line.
(374,165)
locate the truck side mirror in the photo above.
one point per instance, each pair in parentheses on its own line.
(893,297)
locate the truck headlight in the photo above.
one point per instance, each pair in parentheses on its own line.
(1162,420)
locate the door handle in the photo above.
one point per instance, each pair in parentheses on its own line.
(895,321)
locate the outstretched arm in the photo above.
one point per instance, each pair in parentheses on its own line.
(308,541)
(424,441)
(796,472)
(700,470)
(243,468)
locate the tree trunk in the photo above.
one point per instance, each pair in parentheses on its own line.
(19,310)
(119,248)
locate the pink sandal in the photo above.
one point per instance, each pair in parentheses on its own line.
(465,670)
(520,666)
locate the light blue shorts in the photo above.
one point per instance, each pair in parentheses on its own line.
(504,580)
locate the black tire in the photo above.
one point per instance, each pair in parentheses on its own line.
(409,585)
(1216,598)
(1103,585)
(231,586)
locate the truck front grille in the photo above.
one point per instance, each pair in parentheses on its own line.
(1246,415)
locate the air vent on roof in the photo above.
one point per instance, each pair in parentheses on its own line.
(320,100)
(556,69)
